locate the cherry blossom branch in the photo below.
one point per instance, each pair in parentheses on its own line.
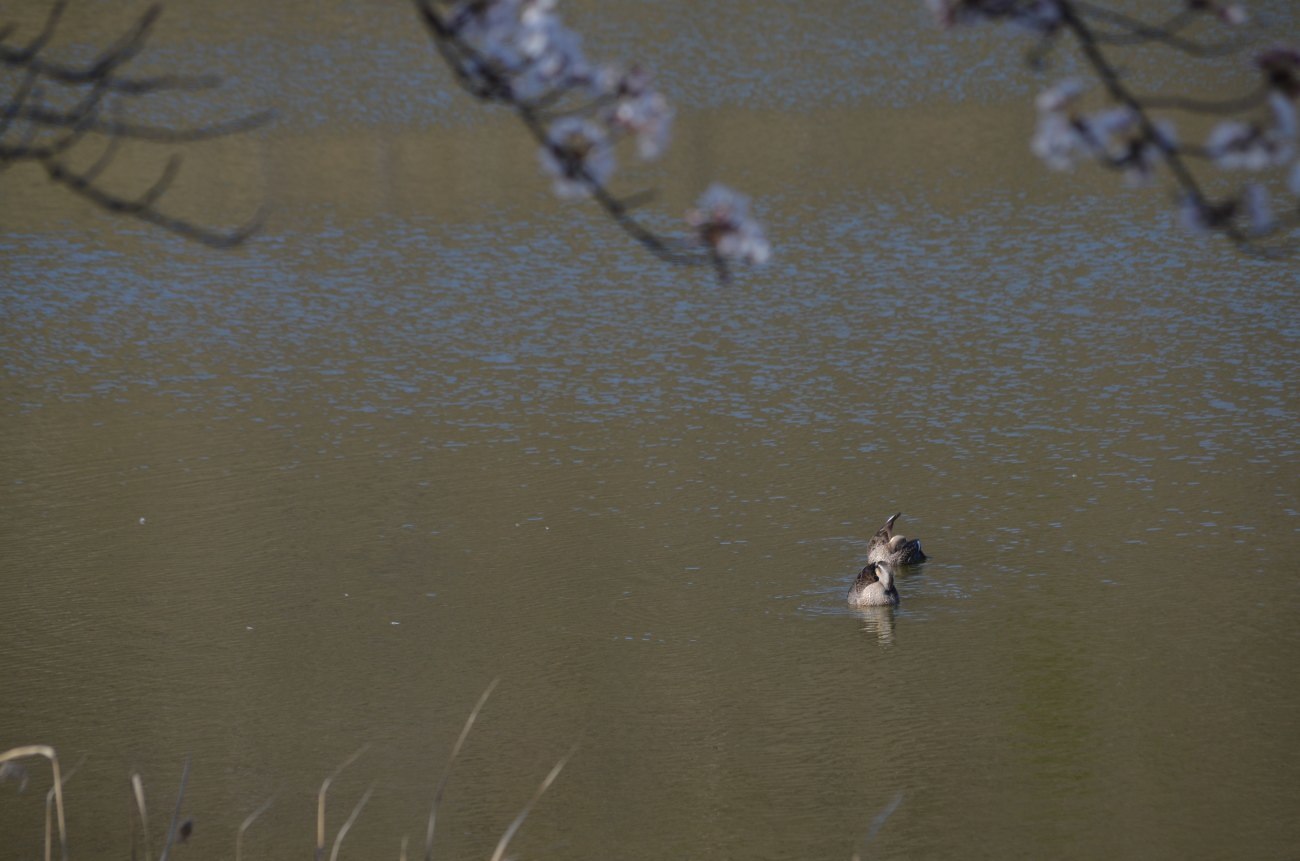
(519,54)
(94,96)
(1134,135)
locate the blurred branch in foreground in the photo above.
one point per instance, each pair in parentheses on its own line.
(518,53)
(1254,133)
(52,111)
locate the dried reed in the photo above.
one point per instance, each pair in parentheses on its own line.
(48,752)
(320,799)
(176,811)
(877,824)
(523,814)
(244,826)
(446,773)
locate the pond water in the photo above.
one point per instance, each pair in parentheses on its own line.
(433,428)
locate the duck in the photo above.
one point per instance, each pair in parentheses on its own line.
(885,546)
(874,587)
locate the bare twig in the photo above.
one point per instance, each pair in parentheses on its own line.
(1235,105)
(1135,32)
(113,203)
(157,134)
(32,131)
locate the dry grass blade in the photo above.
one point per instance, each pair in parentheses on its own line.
(356,811)
(523,814)
(446,774)
(176,812)
(320,799)
(49,807)
(877,824)
(48,752)
(401,856)
(137,788)
(244,826)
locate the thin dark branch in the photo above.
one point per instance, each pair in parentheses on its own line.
(23,56)
(105,65)
(105,159)
(22,93)
(1135,32)
(32,130)
(127,47)
(638,199)
(1234,105)
(157,134)
(80,119)
(77,183)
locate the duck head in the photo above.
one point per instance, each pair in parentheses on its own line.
(885,574)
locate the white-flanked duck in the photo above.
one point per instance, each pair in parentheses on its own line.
(874,587)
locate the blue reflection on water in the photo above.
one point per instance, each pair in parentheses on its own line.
(973,334)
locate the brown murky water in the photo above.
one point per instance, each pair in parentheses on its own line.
(434,428)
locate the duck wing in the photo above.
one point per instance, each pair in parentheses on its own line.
(884,533)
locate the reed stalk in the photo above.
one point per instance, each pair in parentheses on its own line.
(48,752)
(446,773)
(320,799)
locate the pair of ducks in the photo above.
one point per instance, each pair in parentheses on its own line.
(875,585)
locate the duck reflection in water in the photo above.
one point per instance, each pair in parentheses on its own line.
(877,622)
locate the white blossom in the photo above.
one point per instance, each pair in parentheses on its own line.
(577,154)
(1239,145)
(1234,15)
(1284,115)
(1058,141)
(552,54)
(522,43)
(1258,209)
(1042,16)
(637,109)
(722,222)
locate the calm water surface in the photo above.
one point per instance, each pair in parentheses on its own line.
(433,428)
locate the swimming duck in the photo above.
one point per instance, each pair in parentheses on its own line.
(874,587)
(885,546)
